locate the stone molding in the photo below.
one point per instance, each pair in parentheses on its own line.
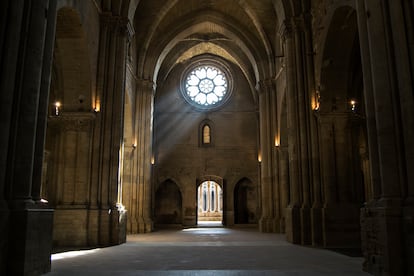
(72,121)
(120,23)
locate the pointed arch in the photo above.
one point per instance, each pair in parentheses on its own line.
(245,202)
(168,204)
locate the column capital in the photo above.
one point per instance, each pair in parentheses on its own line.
(286,30)
(146,85)
(266,86)
(293,25)
(72,121)
(121,24)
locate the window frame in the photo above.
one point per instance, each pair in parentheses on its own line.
(222,66)
(202,125)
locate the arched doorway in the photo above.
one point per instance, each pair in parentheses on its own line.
(209,203)
(245,202)
(168,204)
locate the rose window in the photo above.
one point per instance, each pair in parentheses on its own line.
(206,86)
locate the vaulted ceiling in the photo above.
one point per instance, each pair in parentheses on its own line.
(244,32)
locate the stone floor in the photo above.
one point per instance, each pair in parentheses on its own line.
(206,251)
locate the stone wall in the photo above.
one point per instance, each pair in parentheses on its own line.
(179,156)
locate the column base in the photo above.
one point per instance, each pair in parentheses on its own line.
(305,224)
(228,218)
(282,225)
(111,228)
(82,227)
(408,233)
(341,226)
(269,225)
(4,235)
(71,227)
(119,226)
(293,227)
(30,241)
(145,225)
(316,226)
(140,225)
(382,240)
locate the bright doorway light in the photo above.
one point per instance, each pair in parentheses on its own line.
(210,204)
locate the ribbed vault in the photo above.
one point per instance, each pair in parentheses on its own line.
(243,32)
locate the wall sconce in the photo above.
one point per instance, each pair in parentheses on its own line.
(134,145)
(97,106)
(259,158)
(353,105)
(57,108)
(277,142)
(152,160)
(316,102)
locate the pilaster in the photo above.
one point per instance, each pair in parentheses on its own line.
(269,192)
(388,84)
(342,201)
(25,54)
(144,157)
(108,134)
(299,83)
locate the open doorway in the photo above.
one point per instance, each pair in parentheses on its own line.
(209,204)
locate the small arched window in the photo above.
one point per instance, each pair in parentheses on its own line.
(206,139)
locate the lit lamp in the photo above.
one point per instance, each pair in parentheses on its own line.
(277,143)
(316,102)
(353,105)
(97,106)
(57,107)
(259,158)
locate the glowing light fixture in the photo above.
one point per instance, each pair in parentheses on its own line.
(277,142)
(316,101)
(97,106)
(57,108)
(353,105)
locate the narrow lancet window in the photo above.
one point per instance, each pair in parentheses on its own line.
(206,135)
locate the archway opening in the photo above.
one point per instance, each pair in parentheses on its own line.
(168,204)
(209,204)
(341,121)
(245,202)
(66,179)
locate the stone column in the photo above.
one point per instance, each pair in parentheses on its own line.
(25,56)
(369,101)
(144,133)
(299,111)
(293,228)
(44,100)
(128,187)
(283,182)
(312,100)
(267,221)
(304,73)
(385,33)
(108,136)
